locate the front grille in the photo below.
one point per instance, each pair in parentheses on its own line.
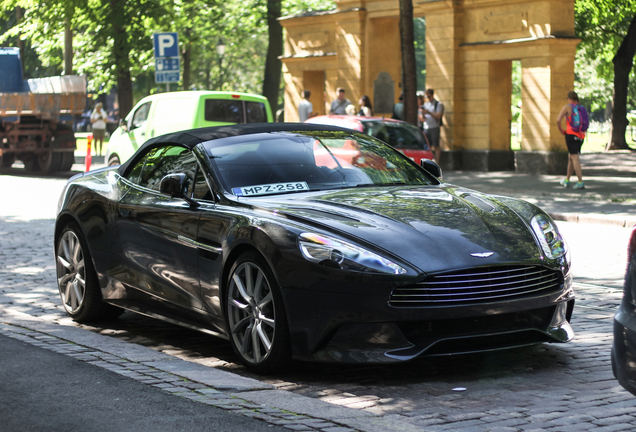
(477,285)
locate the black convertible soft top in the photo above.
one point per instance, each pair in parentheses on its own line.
(192,137)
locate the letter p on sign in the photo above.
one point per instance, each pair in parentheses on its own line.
(166,45)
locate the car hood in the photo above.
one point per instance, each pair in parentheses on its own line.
(433,228)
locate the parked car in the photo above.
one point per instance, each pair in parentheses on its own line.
(401,135)
(624,346)
(176,111)
(280,239)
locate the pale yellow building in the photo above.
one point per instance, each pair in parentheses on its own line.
(470,47)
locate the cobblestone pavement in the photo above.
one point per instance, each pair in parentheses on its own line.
(546,387)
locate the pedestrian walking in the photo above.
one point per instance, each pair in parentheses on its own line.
(98,123)
(340,104)
(305,108)
(431,117)
(575,118)
(366,110)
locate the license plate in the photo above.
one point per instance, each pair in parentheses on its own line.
(273,188)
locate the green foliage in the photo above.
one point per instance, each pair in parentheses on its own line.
(602,25)
(200,24)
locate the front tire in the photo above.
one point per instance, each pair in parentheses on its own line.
(77,280)
(255,315)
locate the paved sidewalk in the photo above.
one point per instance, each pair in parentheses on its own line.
(609,195)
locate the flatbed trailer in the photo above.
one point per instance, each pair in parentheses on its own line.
(33,114)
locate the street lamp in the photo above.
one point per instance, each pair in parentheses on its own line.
(220,48)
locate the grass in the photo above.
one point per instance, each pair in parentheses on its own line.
(594,142)
(81,145)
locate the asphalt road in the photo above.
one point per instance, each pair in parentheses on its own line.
(41,390)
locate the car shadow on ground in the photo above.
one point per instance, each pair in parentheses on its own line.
(216,352)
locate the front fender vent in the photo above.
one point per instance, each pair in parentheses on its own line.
(479,285)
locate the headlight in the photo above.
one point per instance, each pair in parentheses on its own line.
(337,253)
(549,238)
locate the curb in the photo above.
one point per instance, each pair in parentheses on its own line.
(595,218)
(221,389)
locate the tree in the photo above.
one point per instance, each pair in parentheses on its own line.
(273,65)
(409,77)
(608,31)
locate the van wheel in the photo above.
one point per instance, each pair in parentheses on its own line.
(113,160)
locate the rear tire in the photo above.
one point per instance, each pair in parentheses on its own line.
(7,160)
(68,159)
(255,315)
(49,161)
(77,280)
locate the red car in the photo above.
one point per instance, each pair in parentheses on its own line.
(401,135)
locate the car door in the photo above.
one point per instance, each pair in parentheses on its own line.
(138,126)
(161,268)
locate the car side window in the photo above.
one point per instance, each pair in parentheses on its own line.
(201,190)
(140,116)
(161,161)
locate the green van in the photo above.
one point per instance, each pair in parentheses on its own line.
(174,111)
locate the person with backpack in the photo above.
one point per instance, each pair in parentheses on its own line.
(430,114)
(577,122)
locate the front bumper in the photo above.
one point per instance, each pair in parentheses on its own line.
(339,326)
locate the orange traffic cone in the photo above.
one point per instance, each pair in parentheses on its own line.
(89,141)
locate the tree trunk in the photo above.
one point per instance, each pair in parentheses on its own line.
(121,54)
(409,78)
(623,62)
(186,55)
(273,65)
(68,43)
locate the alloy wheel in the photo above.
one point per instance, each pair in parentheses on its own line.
(71,272)
(251,313)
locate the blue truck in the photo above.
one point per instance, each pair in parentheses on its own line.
(36,116)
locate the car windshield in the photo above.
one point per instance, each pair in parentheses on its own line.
(397,134)
(275,163)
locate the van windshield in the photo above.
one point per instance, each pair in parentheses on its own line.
(234,111)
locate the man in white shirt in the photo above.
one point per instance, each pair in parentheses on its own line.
(340,104)
(305,108)
(431,116)
(98,123)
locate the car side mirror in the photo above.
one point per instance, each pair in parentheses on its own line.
(123,125)
(176,186)
(431,167)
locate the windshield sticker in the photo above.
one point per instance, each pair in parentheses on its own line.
(270,189)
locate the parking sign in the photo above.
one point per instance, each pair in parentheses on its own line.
(167,64)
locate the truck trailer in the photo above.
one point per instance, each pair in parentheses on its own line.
(33,113)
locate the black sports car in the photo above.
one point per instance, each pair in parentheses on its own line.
(310,242)
(624,346)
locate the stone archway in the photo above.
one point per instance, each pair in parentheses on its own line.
(469,47)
